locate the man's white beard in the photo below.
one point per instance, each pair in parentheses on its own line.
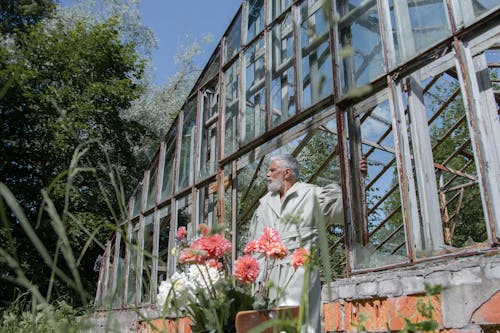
(275,185)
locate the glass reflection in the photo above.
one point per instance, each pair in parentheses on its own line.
(283,102)
(168,167)
(186,154)
(255,18)
(360,42)
(317,75)
(231,100)
(254,117)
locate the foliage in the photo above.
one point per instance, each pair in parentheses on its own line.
(426,309)
(65,86)
(57,317)
(423,307)
(126,14)
(19,15)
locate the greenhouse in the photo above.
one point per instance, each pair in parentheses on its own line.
(412,86)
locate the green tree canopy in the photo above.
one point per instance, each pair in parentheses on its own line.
(63,87)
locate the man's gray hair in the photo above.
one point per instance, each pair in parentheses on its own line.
(288,161)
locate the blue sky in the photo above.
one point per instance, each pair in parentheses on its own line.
(172,20)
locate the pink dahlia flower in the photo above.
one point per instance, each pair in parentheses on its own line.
(193,256)
(276,251)
(300,257)
(215,246)
(181,233)
(246,269)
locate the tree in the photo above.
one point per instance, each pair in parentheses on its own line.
(66,87)
(19,15)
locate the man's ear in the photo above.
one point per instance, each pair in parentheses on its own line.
(288,175)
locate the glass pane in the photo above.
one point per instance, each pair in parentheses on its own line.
(207,201)
(184,214)
(211,70)
(231,100)
(252,186)
(186,154)
(228,213)
(163,244)
(470,10)
(168,167)
(317,76)
(119,277)
(482,6)
(147,263)
(255,18)
(387,242)
(493,60)
(233,38)
(417,26)
(137,201)
(207,154)
(320,165)
(254,118)
(283,104)
(360,39)
(278,7)
(132,270)
(153,177)
(462,215)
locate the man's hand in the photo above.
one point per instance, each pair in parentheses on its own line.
(363,165)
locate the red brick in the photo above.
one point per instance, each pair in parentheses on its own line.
(163,325)
(380,313)
(375,313)
(489,312)
(333,316)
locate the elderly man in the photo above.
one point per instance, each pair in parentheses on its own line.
(289,196)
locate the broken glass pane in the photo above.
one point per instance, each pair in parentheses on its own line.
(462,215)
(278,7)
(255,18)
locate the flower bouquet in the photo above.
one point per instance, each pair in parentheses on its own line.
(208,291)
(203,289)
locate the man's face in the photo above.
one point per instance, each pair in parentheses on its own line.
(275,177)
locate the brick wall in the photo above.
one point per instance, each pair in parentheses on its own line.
(470,301)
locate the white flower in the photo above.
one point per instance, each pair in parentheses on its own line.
(175,292)
(203,276)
